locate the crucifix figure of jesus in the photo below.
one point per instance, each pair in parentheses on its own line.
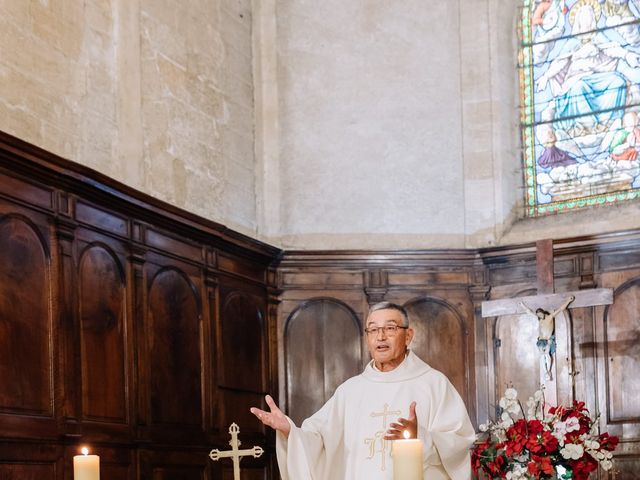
(547,306)
(547,333)
(235,454)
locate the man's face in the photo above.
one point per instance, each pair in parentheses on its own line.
(387,350)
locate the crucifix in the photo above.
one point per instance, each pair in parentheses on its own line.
(235,453)
(547,305)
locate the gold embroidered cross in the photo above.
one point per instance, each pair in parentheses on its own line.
(235,453)
(384,414)
(378,438)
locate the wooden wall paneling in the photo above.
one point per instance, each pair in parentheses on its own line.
(105,331)
(478,292)
(323,348)
(139,360)
(442,340)
(617,347)
(174,346)
(210,314)
(27,327)
(65,297)
(242,360)
(176,464)
(124,356)
(31,461)
(330,279)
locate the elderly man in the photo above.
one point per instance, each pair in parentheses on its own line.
(349,438)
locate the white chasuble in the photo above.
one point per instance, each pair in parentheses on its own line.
(344,440)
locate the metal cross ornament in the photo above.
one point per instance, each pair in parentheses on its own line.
(235,454)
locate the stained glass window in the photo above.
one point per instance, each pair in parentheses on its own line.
(580,103)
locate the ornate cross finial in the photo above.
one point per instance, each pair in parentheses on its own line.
(235,453)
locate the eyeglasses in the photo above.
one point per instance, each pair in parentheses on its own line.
(389,330)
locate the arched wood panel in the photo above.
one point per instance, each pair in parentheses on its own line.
(243,337)
(440,339)
(516,356)
(323,348)
(102,333)
(622,354)
(174,350)
(617,349)
(26,369)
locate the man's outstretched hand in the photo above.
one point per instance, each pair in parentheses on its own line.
(274,418)
(396,430)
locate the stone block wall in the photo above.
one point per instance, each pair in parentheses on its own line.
(157,94)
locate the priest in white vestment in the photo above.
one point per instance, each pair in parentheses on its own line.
(350,437)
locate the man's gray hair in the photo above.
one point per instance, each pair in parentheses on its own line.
(390,306)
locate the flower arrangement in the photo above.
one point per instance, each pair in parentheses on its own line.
(545,443)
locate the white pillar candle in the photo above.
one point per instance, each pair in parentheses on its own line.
(86,467)
(407,459)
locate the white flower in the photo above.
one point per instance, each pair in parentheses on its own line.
(510,394)
(560,428)
(519,472)
(483,427)
(606,464)
(591,444)
(501,435)
(599,456)
(572,451)
(506,422)
(559,436)
(572,424)
(538,396)
(514,408)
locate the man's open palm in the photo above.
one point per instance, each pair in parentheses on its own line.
(274,418)
(410,425)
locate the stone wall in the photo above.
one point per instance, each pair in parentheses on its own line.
(157,94)
(397,126)
(310,125)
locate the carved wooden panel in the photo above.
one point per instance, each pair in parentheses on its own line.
(323,348)
(26,369)
(31,461)
(103,330)
(440,338)
(175,465)
(178,472)
(174,350)
(242,343)
(622,354)
(109,323)
(27,471)
(516,357)
(617,351)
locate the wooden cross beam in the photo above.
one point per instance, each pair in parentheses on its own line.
(235,454)
(546,299)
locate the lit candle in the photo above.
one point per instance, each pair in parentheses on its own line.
(407,458)
(86,467)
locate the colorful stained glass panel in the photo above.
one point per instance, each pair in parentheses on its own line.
(580,103)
